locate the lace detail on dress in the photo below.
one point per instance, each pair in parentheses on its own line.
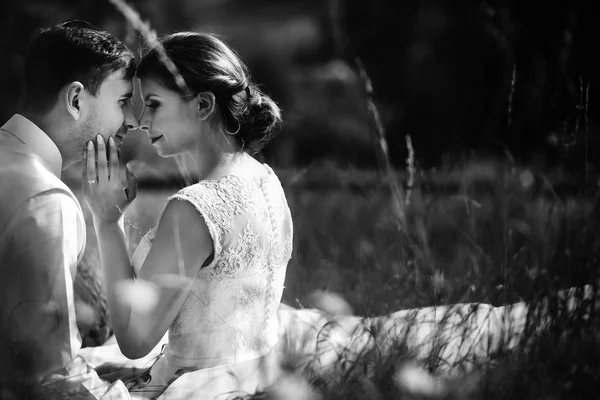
(241,257)
(219,201)
(223,199)
(231,310)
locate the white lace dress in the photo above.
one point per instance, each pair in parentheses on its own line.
(230,314)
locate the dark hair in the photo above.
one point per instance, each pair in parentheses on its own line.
(206,63)
(68,52)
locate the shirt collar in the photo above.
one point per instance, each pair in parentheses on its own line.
(36,141)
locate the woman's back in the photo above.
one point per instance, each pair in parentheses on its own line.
(230,314)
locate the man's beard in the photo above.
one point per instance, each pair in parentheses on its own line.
(91,130)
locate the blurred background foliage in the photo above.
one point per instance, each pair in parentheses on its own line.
(442,71)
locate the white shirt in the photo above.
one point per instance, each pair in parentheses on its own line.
(42,237)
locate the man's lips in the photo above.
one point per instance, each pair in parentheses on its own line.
(156,139)
(120,135)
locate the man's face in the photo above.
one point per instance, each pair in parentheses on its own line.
(110,111)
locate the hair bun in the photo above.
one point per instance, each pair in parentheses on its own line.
(260,121)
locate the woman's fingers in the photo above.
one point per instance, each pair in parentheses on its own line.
(113,172)
(84,171)
(102,163)
(131,190)
(91,175)
(102,183)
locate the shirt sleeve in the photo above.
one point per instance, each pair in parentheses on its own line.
(39,253)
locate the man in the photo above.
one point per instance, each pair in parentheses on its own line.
(78,85)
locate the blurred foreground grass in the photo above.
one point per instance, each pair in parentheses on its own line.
(486,232)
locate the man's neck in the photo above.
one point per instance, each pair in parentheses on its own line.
(42,121)
(46,122)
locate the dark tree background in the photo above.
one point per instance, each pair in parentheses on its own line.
(441,70)
(450,85)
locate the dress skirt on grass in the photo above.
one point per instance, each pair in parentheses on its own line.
(232,334)
(460,337)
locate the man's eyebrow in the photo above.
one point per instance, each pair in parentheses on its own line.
(128,95)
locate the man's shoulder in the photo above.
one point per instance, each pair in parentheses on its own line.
(24,176)
(27,169)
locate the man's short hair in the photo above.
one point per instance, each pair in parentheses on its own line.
(71,51)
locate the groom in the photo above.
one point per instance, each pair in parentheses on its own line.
(78,86)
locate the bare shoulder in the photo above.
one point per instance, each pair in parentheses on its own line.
(182,238)
(181,216)
(180,210)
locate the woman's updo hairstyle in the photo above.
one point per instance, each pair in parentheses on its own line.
(207,64)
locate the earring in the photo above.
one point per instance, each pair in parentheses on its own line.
(238,129)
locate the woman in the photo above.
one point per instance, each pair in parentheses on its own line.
(218,256)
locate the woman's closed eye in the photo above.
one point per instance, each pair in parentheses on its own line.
(153,105)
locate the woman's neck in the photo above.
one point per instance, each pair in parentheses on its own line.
(216,164)
(218,159)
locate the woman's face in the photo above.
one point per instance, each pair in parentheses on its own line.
(171,122)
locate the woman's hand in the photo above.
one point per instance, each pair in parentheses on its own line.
(103,189)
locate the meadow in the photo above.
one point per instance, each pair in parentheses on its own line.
(483,231)
(479,230)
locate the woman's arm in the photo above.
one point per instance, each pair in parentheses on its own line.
(141,310)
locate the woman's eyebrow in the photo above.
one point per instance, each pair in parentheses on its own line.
(147,97)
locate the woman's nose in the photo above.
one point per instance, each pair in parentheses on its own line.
(144,122)
(131,122)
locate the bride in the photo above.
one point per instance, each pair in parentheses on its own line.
(219,253)
(218,256)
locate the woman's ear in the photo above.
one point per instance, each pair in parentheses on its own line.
(72,99)
(206,104)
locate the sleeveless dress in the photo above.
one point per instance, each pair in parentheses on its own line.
(230,314)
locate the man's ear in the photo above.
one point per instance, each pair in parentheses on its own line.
(72,97)
(205,103)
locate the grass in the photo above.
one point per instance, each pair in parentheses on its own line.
(501,234)
(486,232)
